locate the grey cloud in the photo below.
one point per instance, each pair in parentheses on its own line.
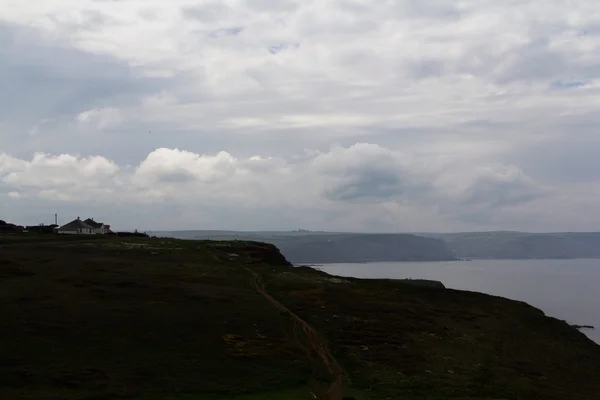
(457,99)
(208,12)
(369,173)
(496,193)
(354,6)
(427,68)
(174,176)
(46,80)
(263,165)
(226,32)
(377,185)
(281,47)
(440,10)
(570,159)
(46,85)
(272,6)
(560,84)
(536,61)
(492,194)
(92,19)
(362,175)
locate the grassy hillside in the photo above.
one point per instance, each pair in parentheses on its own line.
(197,320)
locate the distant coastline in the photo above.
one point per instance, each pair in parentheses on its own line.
(307,247)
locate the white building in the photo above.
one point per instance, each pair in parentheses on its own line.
(99,227)
(87,227)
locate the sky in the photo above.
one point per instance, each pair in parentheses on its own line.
(339,115)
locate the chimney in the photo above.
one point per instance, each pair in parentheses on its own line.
(55,219)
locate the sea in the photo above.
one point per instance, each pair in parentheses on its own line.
(565,289)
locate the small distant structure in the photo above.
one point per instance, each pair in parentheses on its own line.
(41,229)
(87,227)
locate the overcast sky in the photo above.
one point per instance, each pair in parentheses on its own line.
(346,115)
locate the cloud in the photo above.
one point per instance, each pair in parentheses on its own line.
(380,188)
(282,47)
(206,12)
(225,32)
(567,85)
(405,114)
(501,186)
(61,171)
(364,171)
(489,193)
(100,118)
(164,166)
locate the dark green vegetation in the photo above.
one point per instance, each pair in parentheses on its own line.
(7,227)
(34,239)
(321,247)
(134,318)
(521,245)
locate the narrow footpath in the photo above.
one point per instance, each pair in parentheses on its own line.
(309,340)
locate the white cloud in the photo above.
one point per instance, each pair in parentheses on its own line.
(420,112)
(99,118)
(166,166)
(364,185)
(64,171)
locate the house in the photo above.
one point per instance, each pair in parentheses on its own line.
(87,227)
(99,227)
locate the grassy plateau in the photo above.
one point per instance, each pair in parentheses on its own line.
(155,318)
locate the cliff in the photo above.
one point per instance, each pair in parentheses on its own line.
(363,248)
(143,318)
(521,245)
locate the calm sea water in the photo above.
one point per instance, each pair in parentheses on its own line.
(565,289)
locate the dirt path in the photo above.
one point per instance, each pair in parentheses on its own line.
(309,340)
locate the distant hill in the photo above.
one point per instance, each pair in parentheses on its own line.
(323,247)
(522,245)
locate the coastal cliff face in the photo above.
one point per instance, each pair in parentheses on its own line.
(363,248)
(143,318)
(323,247)
(520,245)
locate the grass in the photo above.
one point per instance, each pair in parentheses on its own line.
(293,394)
(141,319)
(33,238)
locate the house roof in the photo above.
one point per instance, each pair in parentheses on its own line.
(93,223)
(74,225)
